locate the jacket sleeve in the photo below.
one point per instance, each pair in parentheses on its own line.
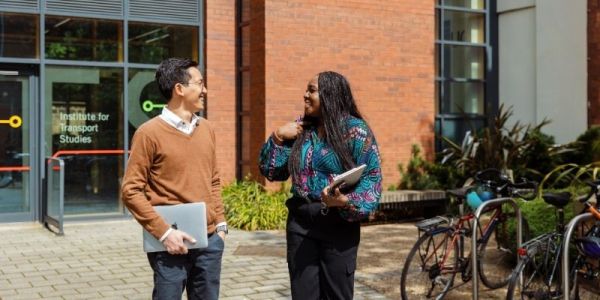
(273,161)
(135,181)
(364,198)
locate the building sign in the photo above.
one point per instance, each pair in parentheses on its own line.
(78,128)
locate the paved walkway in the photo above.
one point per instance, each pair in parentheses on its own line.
(104,260)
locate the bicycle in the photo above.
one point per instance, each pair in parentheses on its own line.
(540,257)
(438,255)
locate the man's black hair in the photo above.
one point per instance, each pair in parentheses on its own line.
(172,71)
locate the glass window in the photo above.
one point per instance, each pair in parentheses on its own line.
(472,4)
(463,97)
(83,39)
(151,43)
(15,149)
(464,62)
(464,26)
(86,130)
(144,100)
(455,129)
(19,35)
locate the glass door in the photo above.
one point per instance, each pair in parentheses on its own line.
(16,145)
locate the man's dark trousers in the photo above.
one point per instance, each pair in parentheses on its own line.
(198,272)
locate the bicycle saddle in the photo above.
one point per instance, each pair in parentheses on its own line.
(558,200)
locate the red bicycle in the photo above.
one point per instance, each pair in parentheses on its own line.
(439,253)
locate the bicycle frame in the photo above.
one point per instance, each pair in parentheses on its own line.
(458,236)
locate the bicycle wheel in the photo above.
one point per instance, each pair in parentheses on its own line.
(496,257)
(585,288)
(536,274)
(430,267)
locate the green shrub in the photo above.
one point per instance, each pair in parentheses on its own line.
(542,217)
(249,206)
(587,147)
(420,174)
(416,177)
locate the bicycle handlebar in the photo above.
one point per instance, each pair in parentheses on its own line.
(502,185)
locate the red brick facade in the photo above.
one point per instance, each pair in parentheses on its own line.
(220,79)
(594,62)
(384,48)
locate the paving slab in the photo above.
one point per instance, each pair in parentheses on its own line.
(104,260)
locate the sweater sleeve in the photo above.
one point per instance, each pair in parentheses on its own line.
(364,198)
(135,181)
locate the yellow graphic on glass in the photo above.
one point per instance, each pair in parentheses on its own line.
(14,121)
(148,105)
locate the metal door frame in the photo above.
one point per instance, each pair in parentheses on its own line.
(31,72)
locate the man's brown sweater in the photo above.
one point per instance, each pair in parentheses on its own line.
(167,166)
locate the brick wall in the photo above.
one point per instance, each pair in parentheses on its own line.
(594,62)
(384,48)
(220,78)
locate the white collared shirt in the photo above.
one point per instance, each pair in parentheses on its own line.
(175,121)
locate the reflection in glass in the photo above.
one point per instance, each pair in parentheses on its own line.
(464,62)
(472,4)
(14,145)
(464,26)
(151,43)
(19,35)
(144,100)
(87,116)
(463,97)
(72,38)
(455,129)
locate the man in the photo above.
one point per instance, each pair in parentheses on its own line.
(173,161)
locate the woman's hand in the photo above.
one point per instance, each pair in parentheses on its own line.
(289,131)
(335,199)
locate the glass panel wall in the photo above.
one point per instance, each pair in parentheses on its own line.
(15,150)
(19,36)
(84,105)
(145,100)
(472,4)
(464,26)
(73,38)
(86,131)
(461,66)
(151,43)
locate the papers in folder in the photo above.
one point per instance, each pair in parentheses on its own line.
(189,217)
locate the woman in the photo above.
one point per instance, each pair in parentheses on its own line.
(323,231)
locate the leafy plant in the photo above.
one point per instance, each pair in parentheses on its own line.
(505,148)
(421,174)
(416,177)
(570,174)
(249,206)
(587,147)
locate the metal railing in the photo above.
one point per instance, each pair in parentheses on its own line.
(565,255)
(478,212)
(54,202)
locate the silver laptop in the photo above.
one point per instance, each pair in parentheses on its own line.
(188,217)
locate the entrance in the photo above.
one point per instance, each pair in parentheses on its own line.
(19,167)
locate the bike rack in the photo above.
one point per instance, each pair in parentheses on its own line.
(565,255)
(474,236)
(55,164)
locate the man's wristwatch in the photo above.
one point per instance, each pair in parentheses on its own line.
(222,228)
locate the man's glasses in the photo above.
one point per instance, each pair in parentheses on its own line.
(199,83)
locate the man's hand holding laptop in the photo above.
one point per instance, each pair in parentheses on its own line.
(175,242)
